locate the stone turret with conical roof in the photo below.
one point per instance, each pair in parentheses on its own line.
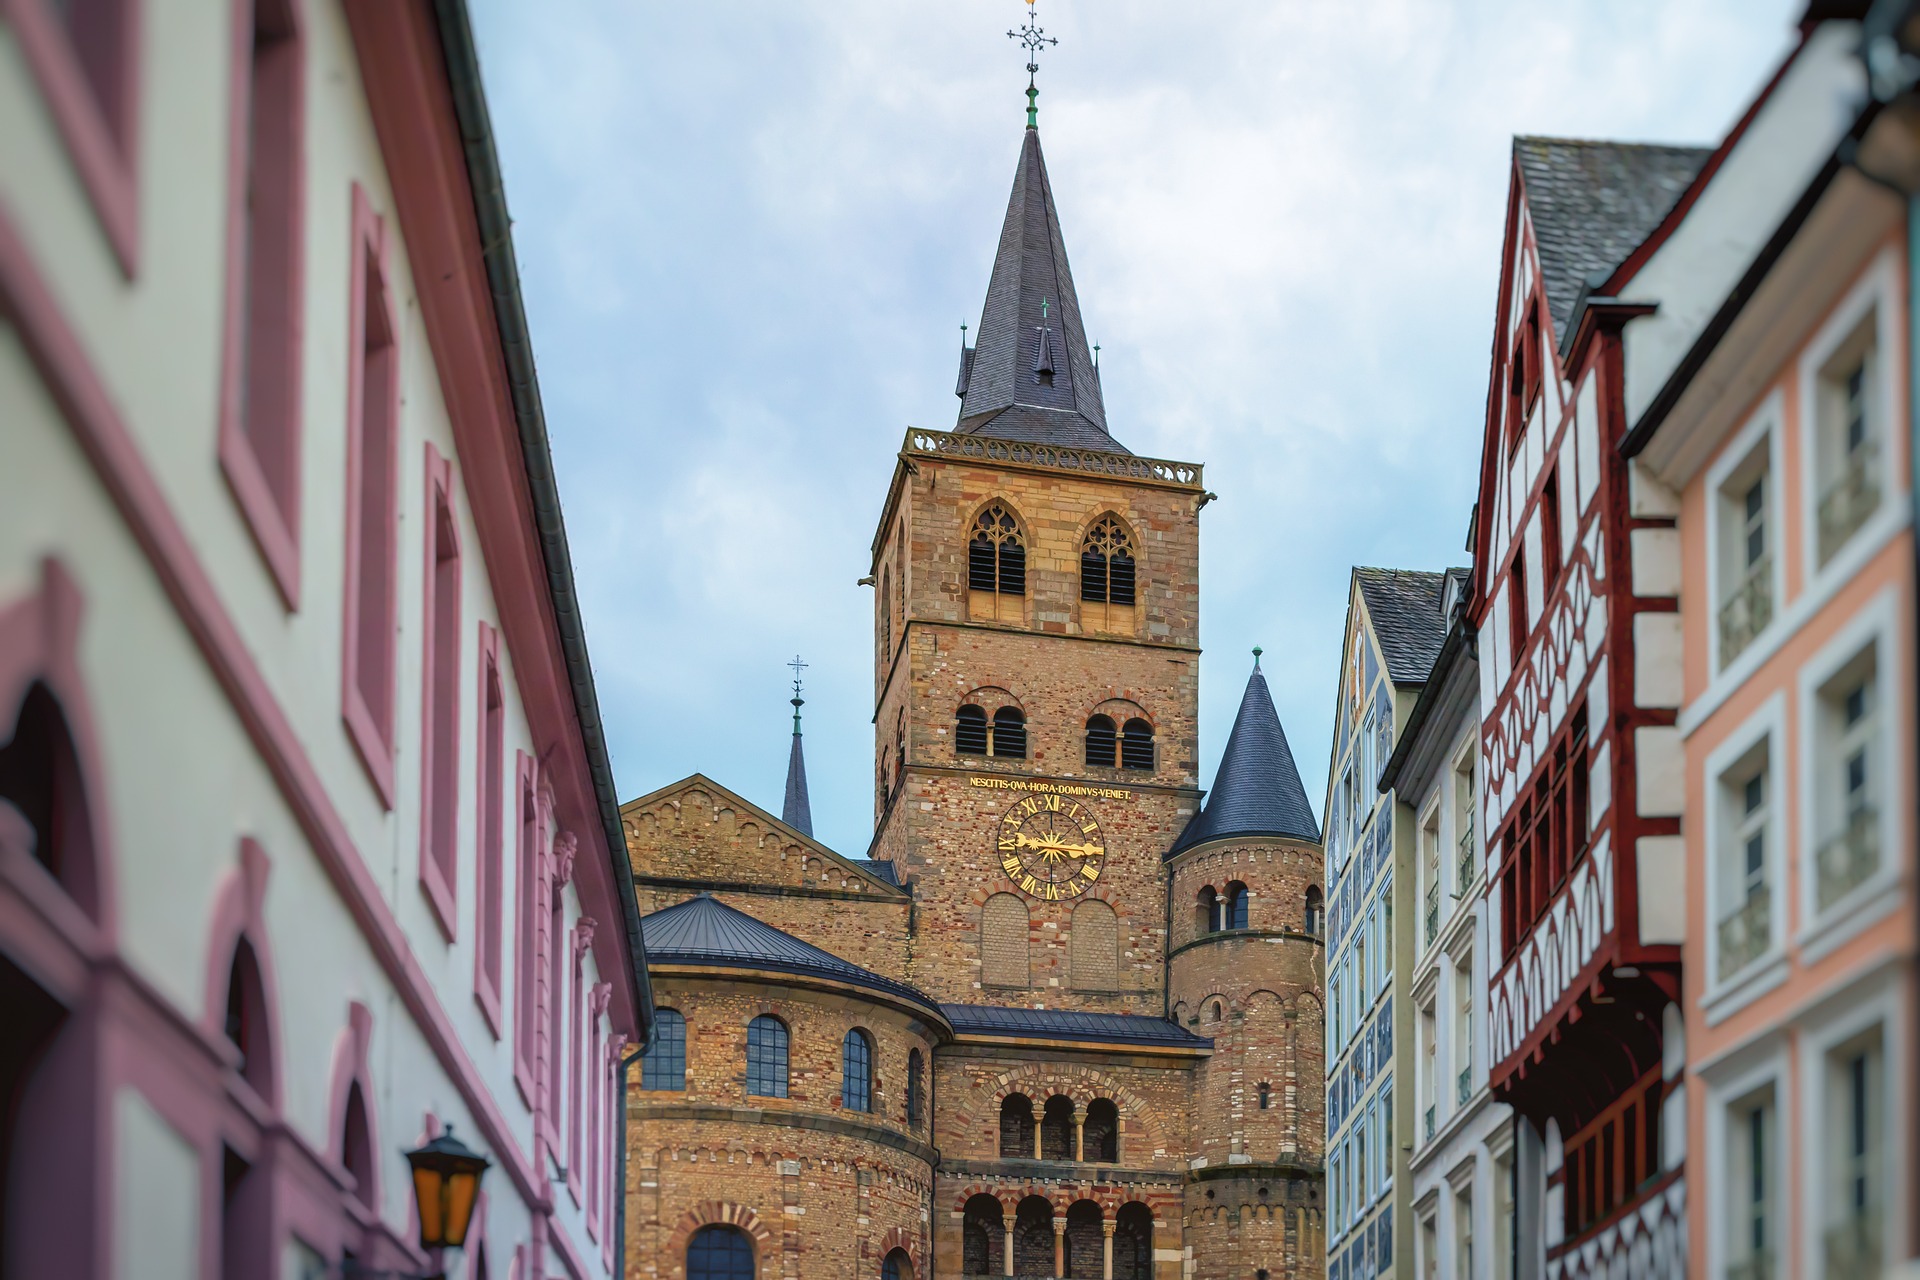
(1245,968)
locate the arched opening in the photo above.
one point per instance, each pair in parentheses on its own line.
(916,1068)
(856,1071)
(996,566)
(1206,911)
(970,731)
(1016,1127)
(356,1147)
(1235,915)
(1085,1243)
(47,1119)
(1008,737)
(1133,1242)
(1136,745)
(983,1237)
(897,1266)
(41,781)
(1107,576)
(1033,1237)
(1056,1128)
(719,1252)
(246,1021)
(1101,740)
(246,1248)
(1315,912)
(1100,1135)
(1266,1095)
(767,1057)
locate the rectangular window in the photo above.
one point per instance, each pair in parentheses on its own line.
(1463,1033)
(1466,853)
(1517,627)
(1744,552)
(1430,873)
(1503,1212)
(526,911)
(1753,1231)
(1848,786)
(260,393)
(488,829)
(1550,530)
(373,429)
(1855,1157)
(576,1046)
(1743,874)
(1847,443)
(556,1011)
(1463,1230)
(440,699)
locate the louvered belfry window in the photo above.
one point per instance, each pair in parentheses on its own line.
(970,731)
(1136,745)
(997,556)
(1009,737)
(1101,740)
(1106,563)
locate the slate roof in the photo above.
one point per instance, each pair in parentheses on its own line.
(705,931)
(1065,1024)
(1257,790)
(1404,605)
(796,810)
(1594,203)
(1015,337)
(880,867)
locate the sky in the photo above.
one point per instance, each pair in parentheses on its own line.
(748,233)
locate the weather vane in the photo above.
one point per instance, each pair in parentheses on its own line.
(1032,37)
(798,666)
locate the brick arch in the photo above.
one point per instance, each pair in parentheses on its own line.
(908,1243)
(1001,697)
(1091,1084)
(1126,709)
(709,1213)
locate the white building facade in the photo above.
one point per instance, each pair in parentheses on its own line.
(308,846)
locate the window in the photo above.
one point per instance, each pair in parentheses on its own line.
(1430,872)
(356,1146)
(489,824)
(1094,947)
(1855,1157)
(1266,1095)
(886,616)
(1236,906)
(1745,901)
(856,1071)
(996,566)
(1463,1032)
(557,949)
(982,1236)
(373,432)
(1743,556)
(1463,1229)
(1314,916)
(664,1064)
(898,1266)
(1429,1041)
(766,1057)
(1847,788)
(1056,1128)
(527,906)
(440,683)
(916,1068)
(1008,736)
(1503,1211)
(1753,1231)
(1107,576)
(1517,627)
(1102,742)
(1016,1128)
(1550,530)
(1466,855)
(970,731)
(246,1023)
(260,395)
(719,1253)
(1206,911)
(1136,745)
(1003,941)
(1846,445)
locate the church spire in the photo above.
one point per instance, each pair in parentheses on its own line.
(797,812)
(1257,790)
(1030,374)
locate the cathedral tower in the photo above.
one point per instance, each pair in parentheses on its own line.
(1036,651)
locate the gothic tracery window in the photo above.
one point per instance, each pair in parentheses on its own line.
(996,566)
(1106,563)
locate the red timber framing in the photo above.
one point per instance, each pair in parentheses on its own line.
(1576,992)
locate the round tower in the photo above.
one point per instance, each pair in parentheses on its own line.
(1245,968)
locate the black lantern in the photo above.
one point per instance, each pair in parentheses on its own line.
(446,1184)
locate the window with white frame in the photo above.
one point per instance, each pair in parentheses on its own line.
(1503,1211)
(1362,973)
(1744,552)
(1430,875)
(1847,454)
(1386,1136)
(1743,874)
(1847,789)
(1463,1230)
(1466,861)
(1361,1169)
(1752,1198)
(1855,1157)
(1429,1249)
(1430,1067)
(1386,933)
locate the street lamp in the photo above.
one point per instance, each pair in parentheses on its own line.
(446,1184)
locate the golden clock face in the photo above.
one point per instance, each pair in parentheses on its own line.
(1051,846)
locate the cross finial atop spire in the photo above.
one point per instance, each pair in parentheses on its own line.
(798,666)
(797,811)
(1032,37)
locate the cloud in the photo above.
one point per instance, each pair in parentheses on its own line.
(748,234)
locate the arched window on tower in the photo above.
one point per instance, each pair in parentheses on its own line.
(664,1064)
(897,1266)
(1102,742)
(1316,917)
(1206,911)
(856,1071)
(970,731)
(1106,577)
(719,1252)
(1136,745)
(1266,1095)
(996,567)
(1235,914)
(1008,736)
(767,1057)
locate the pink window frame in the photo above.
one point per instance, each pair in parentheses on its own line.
(352,1052)
(370,726)
(526,916)
(440,698)
(577,1043)
(260,375)
(490,797)
(102,137)
(599,1151)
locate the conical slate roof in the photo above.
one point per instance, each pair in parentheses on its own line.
(797,811)
(1257,791)
(705,931)
(1030,375)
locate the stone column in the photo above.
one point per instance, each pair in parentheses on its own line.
(1106,1229)
(1079,1137)
(1007,1258)
(1037,1127)
(1059,1245)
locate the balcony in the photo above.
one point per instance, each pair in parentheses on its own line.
(1850,499)
(1746,931)
(1757,1265)
(1852,1246)
(1433,911)
(1463,1086)
(1848,859)
(1747,611)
